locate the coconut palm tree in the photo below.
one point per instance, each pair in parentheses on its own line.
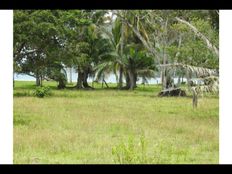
(114,33)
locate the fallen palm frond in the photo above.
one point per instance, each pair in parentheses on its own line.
(209,77)
(198,71)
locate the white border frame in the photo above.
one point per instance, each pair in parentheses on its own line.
(225,106)
(6,87)
(6,90)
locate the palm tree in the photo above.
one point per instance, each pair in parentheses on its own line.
(138,64)
(124,58)
(114,33)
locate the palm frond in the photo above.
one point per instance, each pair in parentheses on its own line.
(198,71)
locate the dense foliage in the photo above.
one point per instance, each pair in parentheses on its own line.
(131,44)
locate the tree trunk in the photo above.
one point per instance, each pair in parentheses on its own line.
(61,84)
(209,44)
(135,80)
(195,98)
(82,79)
(164,71)
(41,80)
(103,80)
(127,81)
(164,79)
(120,77)
(37,80)
(79,79)
(121,54)
(105,83)
(146,44)
(85,77)
(161,77)
(172,92)
(132,77)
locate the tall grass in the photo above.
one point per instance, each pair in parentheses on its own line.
(113,126)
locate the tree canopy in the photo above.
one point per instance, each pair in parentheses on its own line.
(131,44)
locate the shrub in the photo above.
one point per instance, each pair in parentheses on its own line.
(42,92)
(132,153)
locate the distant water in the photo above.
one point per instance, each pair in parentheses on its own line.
(23,77)
(109,79)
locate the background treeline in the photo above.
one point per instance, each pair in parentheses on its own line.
(131,44)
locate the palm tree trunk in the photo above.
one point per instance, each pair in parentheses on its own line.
(127,81)
(79,79)
(132,77)
(121,53)
(85,83)
(135,80)
(103,76)
(120,77)
(105,83)
(85,78)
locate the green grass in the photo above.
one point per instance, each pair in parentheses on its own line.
(85,126)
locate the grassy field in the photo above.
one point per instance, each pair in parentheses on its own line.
(112,126)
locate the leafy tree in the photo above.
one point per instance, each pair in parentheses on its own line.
(36,41)
(131,44)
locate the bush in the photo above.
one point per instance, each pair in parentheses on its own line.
(131,153)
(42,92)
